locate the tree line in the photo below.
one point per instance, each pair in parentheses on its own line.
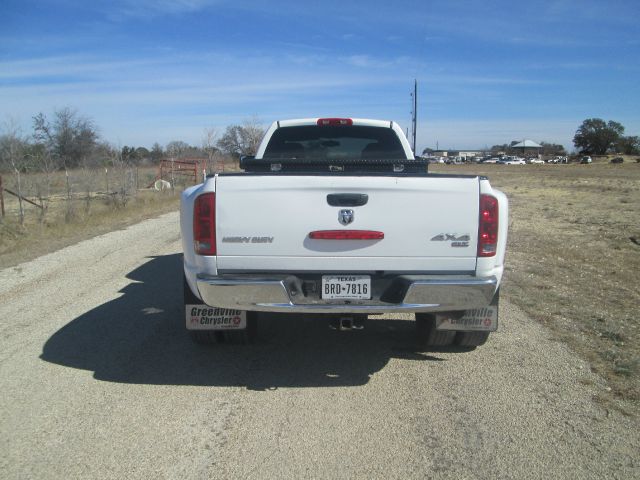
(68,140)
(593,137)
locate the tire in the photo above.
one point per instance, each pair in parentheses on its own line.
(471,339)
(207,337)
(189,297)
(427,334)
(212,337)
(246,336)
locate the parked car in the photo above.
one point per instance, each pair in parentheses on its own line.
(617,160)
(514,161)
(558,159)
(536,161)
(585,160)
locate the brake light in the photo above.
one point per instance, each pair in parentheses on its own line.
(346,235)
(488,226)
(324,122)
(204,224)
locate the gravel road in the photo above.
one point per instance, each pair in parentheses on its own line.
(98,379)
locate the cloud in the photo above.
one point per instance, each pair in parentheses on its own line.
(123,9)
(65,66)
(369,61)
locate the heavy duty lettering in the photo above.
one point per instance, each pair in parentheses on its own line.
(247,239)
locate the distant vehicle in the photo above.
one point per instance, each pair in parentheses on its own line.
(617,160)
(513,161)
(492,160)
(558,159)
(536,160)
(585,160)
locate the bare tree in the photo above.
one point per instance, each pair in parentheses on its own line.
(70,138)
(209,137)
(156,152)
(242,139)
(12,149)
(253,132)
(177,148)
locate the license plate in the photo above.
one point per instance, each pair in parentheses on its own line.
(203,317)
(478,319)
(346,287)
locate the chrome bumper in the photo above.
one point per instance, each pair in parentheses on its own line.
(410,293)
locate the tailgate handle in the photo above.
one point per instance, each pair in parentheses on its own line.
(347,199)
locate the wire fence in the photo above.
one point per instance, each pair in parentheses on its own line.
(27,195)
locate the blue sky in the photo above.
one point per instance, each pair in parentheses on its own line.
(488,72)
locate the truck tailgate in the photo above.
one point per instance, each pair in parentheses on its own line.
(429,223)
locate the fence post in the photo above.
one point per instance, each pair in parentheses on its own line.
(2,196)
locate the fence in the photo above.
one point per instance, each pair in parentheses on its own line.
(73,191)
(187,169)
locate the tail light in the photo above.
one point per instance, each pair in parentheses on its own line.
(346,235)
(334,122)
(204,224)
(488,229)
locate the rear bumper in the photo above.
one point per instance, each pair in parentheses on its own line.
(409,293)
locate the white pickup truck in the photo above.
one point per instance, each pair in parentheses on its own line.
(335,218)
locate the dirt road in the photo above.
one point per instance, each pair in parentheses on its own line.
(98,379)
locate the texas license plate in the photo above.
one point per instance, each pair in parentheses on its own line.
(346,287)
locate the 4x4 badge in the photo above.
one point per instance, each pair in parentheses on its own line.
(458,240)
(345,216)
(447,237)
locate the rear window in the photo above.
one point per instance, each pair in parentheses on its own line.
(334,143)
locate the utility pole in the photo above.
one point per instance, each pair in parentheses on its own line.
(414,113)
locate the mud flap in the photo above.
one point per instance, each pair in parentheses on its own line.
(204,317)
(475,320)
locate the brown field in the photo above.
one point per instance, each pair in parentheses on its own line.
(573,259)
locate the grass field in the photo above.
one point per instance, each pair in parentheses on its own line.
(573,258)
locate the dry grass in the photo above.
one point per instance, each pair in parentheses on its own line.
(573,259)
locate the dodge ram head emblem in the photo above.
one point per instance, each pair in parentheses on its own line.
(345,216)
